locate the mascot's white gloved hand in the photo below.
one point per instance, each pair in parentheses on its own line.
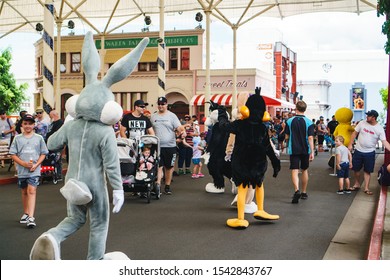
(117,200)
(206,157)
(228,157)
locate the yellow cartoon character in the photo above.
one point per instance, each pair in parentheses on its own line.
(344,116)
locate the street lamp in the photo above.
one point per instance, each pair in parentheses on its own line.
(199,18)
(147,21)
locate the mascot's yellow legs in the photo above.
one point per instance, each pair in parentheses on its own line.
(260,214)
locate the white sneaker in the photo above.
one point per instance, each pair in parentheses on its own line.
(24,219)
(31,222)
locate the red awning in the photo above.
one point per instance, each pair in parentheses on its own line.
(272,101)
(221,99)
(226,100)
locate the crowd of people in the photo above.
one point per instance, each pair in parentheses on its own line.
(183,141)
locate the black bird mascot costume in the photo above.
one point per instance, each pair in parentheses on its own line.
(217,166)
(249,158)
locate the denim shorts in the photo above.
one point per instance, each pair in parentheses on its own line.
(360,159)
(344,170)
(196,161)
(33,181)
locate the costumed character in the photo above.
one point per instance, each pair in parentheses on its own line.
(250,205)
(249,157)
(93,157)
(344,128)
(217,166)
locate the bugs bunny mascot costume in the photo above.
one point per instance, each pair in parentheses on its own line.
(93,155)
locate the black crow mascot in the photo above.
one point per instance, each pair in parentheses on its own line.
(249,158)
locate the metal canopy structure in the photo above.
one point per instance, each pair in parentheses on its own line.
(106,16)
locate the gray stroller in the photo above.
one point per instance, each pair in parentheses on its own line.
(134,178)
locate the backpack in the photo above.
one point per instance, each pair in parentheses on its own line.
(383,176)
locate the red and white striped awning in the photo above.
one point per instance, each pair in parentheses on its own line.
(226,100)
(221,99)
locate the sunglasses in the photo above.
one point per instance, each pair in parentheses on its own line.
(38,113)
(142,106)
(161,104)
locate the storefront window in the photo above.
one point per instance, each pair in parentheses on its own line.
(76,62)
(185,59)
(172,59)
(39,63)
(63,63)
(142,66)
(153,66)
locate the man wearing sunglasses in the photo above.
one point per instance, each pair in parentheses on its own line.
(165,124)
(135,124)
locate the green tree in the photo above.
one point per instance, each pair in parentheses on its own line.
(383,115)
(11,95)
(384,94)
(383,8)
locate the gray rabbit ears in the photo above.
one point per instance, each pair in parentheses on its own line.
(96,101)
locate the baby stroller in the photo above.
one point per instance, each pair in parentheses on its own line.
(133,179)
(49,167)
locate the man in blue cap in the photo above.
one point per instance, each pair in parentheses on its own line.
(370,132)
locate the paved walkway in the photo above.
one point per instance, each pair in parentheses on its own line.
(190,224)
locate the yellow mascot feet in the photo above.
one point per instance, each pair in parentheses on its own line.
(262,215)
(237,223)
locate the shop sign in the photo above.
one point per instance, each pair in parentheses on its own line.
(130,43)
(225,83)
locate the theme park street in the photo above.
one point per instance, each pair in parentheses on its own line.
(190,224)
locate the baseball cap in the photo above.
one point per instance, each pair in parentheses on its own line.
(162,99)
(39,110)
(372,113)
(140,102)
(28,117)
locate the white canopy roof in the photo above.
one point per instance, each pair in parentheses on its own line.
(106,16)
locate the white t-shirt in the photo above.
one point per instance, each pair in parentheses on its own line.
(343,152)
(368,137)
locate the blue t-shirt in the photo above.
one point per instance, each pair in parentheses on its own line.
(299,128)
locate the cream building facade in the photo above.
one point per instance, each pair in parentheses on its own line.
(185,74)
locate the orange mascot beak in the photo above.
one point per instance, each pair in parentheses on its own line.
(266,117)
(244,111)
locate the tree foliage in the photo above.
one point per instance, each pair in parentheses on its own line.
(11,95)
(384,94)
(383,8)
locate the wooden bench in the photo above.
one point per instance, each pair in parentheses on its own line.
(4,153)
